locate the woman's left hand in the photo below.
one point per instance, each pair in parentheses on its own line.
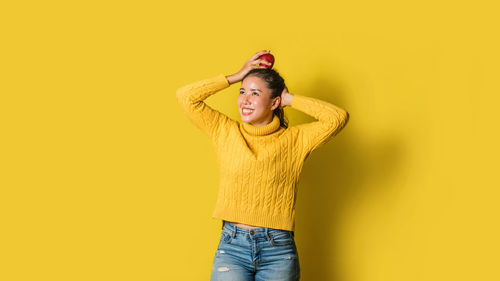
(286,98)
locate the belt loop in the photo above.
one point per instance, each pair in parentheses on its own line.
(267,234)
(234,230)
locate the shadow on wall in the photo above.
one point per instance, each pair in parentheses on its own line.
(331,178)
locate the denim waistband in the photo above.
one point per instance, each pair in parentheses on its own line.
(236,229)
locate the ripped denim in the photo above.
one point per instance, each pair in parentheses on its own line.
(260,254)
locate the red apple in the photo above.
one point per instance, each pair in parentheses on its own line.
(268,57)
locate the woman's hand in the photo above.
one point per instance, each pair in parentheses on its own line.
(286,98)
(251,63)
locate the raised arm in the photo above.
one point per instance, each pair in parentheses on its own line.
(191,99)
(331,119)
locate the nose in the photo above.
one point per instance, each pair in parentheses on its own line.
(246,99)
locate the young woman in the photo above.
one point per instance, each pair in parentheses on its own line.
(260,160)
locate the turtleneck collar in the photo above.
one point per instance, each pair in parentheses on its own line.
(262,130)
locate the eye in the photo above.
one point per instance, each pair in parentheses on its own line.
(256,93)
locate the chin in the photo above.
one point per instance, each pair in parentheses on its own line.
(246,120)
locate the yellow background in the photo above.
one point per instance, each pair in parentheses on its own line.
(104,178)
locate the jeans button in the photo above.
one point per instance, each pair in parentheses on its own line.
(252,232)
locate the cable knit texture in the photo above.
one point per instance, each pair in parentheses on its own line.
(259,165)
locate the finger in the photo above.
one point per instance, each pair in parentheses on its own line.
(259,62)
(261,66)
(263,61)
(259,54)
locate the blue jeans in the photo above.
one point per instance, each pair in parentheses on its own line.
(260,254)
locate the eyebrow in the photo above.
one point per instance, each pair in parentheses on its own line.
(251,89)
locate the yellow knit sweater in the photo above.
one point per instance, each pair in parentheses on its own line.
(259,165)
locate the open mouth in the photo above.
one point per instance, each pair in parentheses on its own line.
(247,111)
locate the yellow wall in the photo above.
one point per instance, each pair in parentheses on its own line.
(103,178)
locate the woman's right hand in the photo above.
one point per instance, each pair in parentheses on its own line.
(252,63)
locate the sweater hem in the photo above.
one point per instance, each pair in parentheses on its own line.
(262,219)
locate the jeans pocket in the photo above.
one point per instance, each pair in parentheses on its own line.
(281,238)
(226,237)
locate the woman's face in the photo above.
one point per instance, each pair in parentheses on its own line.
(254,102)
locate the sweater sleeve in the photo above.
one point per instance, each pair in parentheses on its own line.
(330,120)
(190,98)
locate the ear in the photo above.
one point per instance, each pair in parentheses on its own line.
(276,103)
